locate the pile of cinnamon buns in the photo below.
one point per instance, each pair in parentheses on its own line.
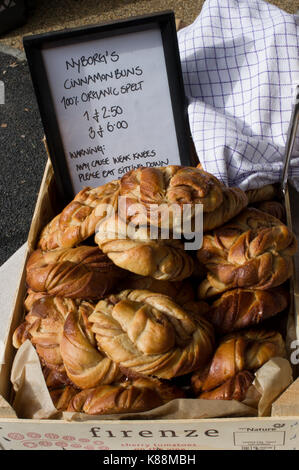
(127,323)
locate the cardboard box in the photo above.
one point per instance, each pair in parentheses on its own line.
(280,431)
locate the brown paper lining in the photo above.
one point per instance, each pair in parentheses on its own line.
(33,401)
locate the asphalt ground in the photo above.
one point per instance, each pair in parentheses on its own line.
(50,15)
(22,155)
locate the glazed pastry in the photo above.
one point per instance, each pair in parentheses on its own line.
(151,191)
(167,186)
(246,350)
(43,326)
(235,388)
(78,220)
(252,251)
(266,193)
(181,292)
(85,366)
(274,208)
(134,251)
(239,308)
(127,397)
(56,377)
(82,272)
(61,397)
(148,334)
(60,331)
(32,297)
(234,201)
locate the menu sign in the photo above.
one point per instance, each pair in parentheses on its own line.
(111,101)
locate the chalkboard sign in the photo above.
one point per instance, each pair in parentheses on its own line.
(111,98)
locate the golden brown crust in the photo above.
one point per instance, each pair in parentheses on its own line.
(274,208)
(174,185)
(234,388)
(262,345)
(234,201)
(181,292)
(127,397)
(61,333)
(79,218)
(149,334)
(266,193)
(32,297)
(85,365)
(197,307)
(43,326)
(82,272)
(240,308)
(21,334)
(171,185)
(228,360)
(252,251)
(245,350)
(56,377)
(134,251)
(61,397)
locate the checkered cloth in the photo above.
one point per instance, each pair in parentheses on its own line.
(240,62)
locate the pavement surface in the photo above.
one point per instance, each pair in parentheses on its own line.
(50,15)
(22,154)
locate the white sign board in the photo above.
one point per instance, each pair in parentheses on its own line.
(109,95)
(112,100)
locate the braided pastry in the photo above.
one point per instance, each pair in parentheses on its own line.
(147,333)
(84,364)
(232,389)
(247,350)
(171,185)
(60,331)
(159,191)
(56,377)
(253,251)
(266,193)
(79,218)
(82,272)
(32,297)
(43,326)
(240,308)
(181,292)
(134,251)
(274,208)
(61,397)
(128,397)
(197,307)
(234,201)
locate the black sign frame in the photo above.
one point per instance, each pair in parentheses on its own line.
(33,46)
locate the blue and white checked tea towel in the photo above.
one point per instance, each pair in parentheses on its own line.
(240,62)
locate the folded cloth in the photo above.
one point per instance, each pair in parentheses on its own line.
(240,61)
